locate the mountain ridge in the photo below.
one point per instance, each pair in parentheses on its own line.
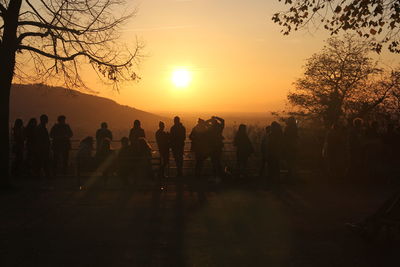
(84,111)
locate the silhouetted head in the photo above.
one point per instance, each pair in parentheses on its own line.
(18,124)
(61,119)
(44,119)
(161,125)
(124,141)
(104,125)
(32,123)
(275,127)
(242,128)
(268,129)
(177,120)
(136,124)
(275,124)
(88,141)
(357,122)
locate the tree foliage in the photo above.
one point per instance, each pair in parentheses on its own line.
(342,81)
(57,37)
(378,20)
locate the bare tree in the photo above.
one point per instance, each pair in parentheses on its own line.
(368,18)
(342,81)
(391,104)
(374,96)
(57,37)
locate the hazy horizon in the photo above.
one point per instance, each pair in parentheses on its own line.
(85,112)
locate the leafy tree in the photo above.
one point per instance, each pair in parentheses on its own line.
(57,37)
(342,81)
(378,19)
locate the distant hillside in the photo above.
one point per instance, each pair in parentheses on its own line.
(84,112)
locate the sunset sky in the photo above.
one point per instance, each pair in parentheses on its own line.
(237,58)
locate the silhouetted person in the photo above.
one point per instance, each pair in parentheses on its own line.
(291,137)
(61,134)
(142,155)
(216,127)
(356,147)
(101,134)
(124,160)
(200,145)
(42,147)
(200,137)
(264,149)
(373,148)
(18,140)
(335,150)
(105,160)
(136,132)
(163,143)
(372,131)
(391,142)
(30,144)
(177,141)
(244,148)
(84,156)
(274,150)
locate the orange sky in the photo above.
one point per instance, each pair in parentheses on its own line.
(239,60)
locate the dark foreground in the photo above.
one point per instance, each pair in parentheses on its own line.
(294,224)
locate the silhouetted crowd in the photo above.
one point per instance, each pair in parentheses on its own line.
(39,152)
(348,150)
(361,149)
(279,145)
(354,150)
(38,143)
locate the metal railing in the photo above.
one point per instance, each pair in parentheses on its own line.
(228,158)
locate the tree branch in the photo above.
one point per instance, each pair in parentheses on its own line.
(48,26)
(48,55)
(60,36)
(32,34)
(73,56)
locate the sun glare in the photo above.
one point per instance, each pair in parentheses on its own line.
(181,78)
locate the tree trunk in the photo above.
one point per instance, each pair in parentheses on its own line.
(8,49)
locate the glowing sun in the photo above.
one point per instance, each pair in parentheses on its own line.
(181,77)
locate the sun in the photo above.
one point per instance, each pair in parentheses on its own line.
(181,78)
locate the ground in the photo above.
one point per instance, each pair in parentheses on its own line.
(300,223)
